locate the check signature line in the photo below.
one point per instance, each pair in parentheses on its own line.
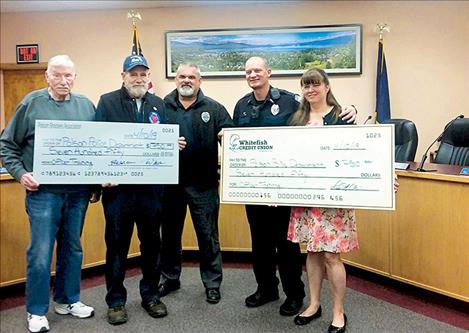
(356,190)
(278,188)
(302,176)
(302,188)
(278,167)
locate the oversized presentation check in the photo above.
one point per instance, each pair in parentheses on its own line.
(87,152)
(326,166)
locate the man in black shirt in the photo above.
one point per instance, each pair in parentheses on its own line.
(200,119)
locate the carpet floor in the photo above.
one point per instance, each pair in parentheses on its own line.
(189,312)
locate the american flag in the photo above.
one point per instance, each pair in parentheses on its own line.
(137,50)
(383,105)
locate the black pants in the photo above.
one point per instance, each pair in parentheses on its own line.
(270,247)
(123,206)
(203,207)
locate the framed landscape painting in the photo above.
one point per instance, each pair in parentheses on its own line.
(290,51)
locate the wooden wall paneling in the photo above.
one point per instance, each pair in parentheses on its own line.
(374,238)
(233,228)
(18,81)
(430,243)
(424,242)
(14,233)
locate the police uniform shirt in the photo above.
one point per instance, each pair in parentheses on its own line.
(275,110)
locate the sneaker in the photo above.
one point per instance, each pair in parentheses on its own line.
(77,309)
(117,315)
(37,323)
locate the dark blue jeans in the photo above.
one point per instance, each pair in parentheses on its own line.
(203,206)
(54,216)
(124,206)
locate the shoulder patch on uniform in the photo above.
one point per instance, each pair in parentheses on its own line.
(274,93)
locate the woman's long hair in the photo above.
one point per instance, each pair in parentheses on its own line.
(314,76)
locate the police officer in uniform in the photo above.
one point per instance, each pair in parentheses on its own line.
(269,106)
(200,119)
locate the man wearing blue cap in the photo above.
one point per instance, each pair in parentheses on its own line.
(125,205)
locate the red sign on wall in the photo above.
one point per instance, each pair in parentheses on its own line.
(27,54)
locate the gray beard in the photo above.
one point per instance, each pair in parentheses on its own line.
(136,92)
(186,91)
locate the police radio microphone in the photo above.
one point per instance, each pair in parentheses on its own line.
(424,157)
(367,118)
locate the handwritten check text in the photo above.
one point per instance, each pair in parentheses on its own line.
(329,166)
(87,152)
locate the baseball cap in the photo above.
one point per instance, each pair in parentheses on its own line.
(134,61)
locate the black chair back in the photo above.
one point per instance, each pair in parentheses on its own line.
(405,137)
(454,146)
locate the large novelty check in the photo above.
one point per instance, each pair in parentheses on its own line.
(327,166)
(87,152)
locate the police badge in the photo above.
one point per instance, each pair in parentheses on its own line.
(275,109)
(205,116)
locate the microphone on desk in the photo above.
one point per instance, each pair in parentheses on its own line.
(424,157)
(367,118)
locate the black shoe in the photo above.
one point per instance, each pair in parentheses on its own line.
(335,329)
(291,306)
(260,298)
(213,295)
(168,286)
(155,308)
(303,320)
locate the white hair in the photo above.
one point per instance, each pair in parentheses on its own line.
(191,65)
(60,60)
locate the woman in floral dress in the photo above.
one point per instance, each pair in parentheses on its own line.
(327,232)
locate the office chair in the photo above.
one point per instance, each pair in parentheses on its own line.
(405,137)
(454,146)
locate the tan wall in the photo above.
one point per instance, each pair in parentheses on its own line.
(427,50)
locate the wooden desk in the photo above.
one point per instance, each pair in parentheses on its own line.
(14,233)
(425,242)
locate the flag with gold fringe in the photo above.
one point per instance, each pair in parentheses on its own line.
(137,50)
(383,106)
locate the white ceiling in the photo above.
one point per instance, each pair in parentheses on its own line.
(8,6)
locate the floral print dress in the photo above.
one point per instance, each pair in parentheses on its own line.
(323,229)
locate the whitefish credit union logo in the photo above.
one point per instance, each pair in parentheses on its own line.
(237,144)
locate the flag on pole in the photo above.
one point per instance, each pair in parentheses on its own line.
(137,50)
(383,106)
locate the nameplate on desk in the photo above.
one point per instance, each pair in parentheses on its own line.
(87,152)
(326,166)
(401,165)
